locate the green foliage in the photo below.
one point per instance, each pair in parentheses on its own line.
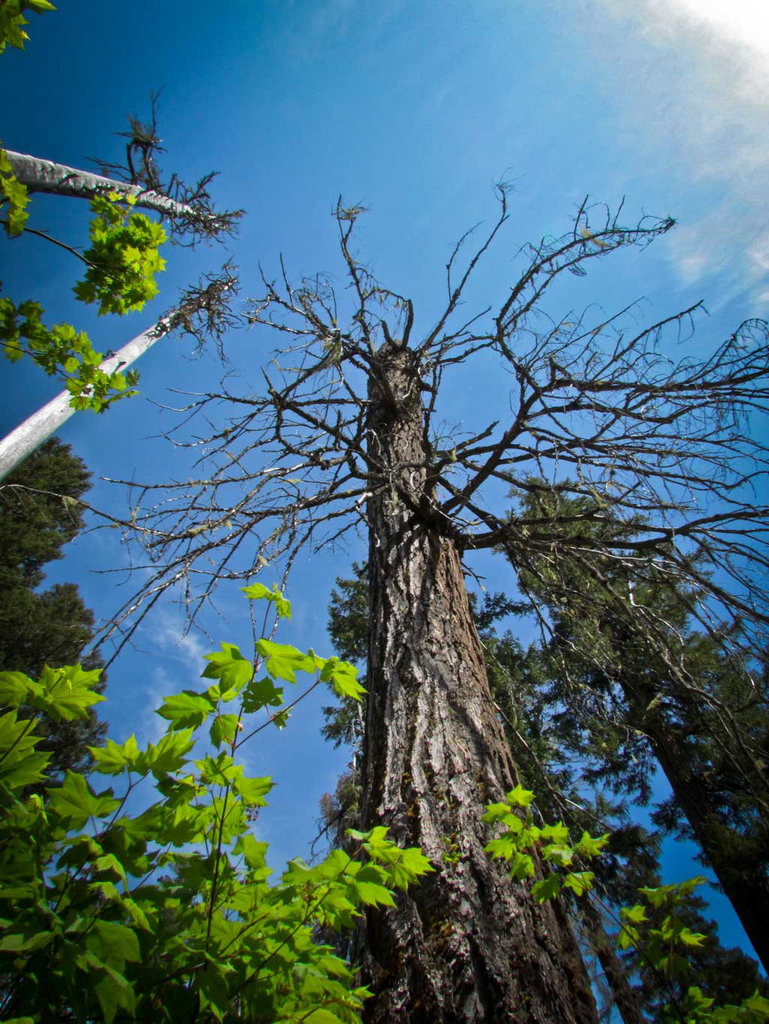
(123,258)
(348,620)
(63,351)
(348,615)
(665,947)
(727,976)
(521,840)
(452,852)
(258,592)
(167,914)
(341,810)
(631,680)
(39,513)
(14,194)
(12,20)
(122,262)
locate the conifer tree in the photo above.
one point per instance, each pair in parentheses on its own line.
(678,698)
(40,512)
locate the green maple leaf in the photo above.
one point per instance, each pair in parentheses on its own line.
(67,693)
(557,834)
(547,889)
(590,846)
(75,802)
(230,667)
(343,677)
(579,882)
(520,797)
(521,866)
(282,661)
(252,790)
(185,710)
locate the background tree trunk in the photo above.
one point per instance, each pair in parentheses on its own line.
(614,970)
(468,944)
(732,857)
(37,428)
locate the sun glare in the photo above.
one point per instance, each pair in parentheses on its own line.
(744,21)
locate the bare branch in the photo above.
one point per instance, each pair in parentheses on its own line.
(661,441)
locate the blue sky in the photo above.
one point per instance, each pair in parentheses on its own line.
(415,110)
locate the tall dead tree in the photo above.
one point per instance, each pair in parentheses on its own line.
(186,210)
(341,435)
(203,313)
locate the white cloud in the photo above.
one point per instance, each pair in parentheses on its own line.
(327,20)
(696,77)
(723,243)
(152,726)
(180,668)
(758,255)
(168,636)
(744,21)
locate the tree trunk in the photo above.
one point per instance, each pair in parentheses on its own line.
(29,435)
(467,944)
(732,858)
(41,175)
(625,998)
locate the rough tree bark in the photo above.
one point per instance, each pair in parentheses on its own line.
(468,945)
